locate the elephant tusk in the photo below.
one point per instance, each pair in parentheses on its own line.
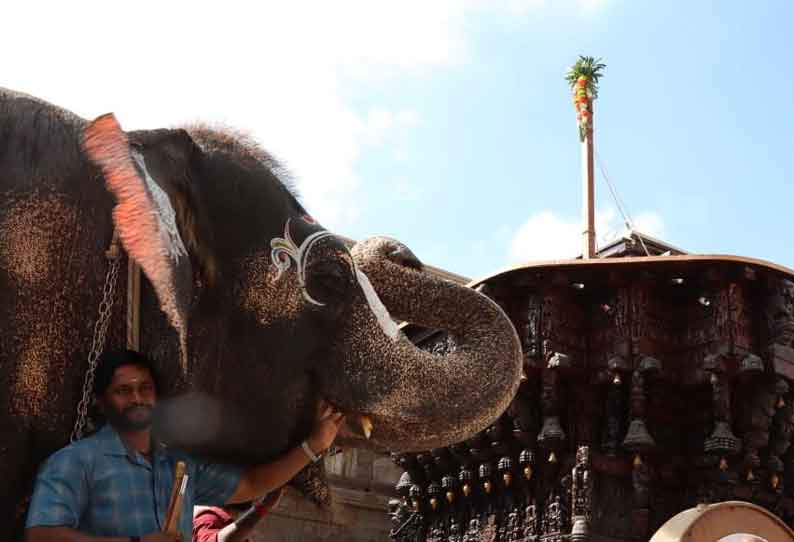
(366,426)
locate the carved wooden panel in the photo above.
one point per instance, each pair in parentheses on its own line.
(679,384)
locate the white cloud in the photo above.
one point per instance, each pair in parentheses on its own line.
(589,7)
(379,122)
(546,236)
(280,70)
(275,69)
(521,7)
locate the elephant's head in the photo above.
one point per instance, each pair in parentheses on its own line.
(272,311)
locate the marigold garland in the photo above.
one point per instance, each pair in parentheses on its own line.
(583,78)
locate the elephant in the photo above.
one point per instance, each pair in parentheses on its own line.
(250,309)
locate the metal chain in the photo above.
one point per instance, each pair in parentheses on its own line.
(100,336)
(394,532)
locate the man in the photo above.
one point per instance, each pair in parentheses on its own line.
(116,484)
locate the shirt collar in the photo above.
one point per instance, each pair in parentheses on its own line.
(110,443)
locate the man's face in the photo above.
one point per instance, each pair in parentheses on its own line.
(128,401)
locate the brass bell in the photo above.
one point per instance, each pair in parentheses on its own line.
(750,477)
(486,485)
(775,481)
(450,496)
(617,379)
(466,490)
(580,531)
(552,457)
(508,478)
(528,472)
(637,460)
(638,439)
(434,503)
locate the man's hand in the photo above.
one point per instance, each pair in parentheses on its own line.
(162,537)
(267,477)
(327,422)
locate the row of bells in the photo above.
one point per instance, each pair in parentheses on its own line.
(465,484)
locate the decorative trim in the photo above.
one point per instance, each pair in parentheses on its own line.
(284,251)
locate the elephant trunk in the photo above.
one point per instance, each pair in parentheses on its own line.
(418,400)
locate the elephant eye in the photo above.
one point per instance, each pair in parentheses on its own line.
(329,281)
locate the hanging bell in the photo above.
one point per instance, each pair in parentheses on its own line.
(404,484)
(638,439)
(580,532)
(551,435)
(722,441)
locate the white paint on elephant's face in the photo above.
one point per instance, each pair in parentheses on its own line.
(166,216)
(381,313)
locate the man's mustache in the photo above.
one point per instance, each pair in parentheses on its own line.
(137,407)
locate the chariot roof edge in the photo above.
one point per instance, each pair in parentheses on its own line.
(685,263)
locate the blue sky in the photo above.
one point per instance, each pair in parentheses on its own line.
(449,124)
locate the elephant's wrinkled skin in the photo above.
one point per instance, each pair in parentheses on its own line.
(259,347)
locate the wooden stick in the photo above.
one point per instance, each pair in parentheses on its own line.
(175,503)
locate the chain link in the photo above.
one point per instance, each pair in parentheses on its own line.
(98,345)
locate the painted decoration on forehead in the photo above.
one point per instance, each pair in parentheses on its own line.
(284,251)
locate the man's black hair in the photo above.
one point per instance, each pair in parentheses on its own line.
(111,360)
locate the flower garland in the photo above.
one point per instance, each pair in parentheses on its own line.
(583,78)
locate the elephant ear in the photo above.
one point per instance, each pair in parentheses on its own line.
(145,220)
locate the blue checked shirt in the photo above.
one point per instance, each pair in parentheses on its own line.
(99,487)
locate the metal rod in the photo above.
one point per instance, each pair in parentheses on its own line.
(588,189)
(133,305)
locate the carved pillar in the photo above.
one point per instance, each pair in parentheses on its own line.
(779,311)
(722,442)
(530,330)
(755,413)
(780,441)
(449,486)
(552,435)
(435,513)
(581,497)
(613,415)
(638,440)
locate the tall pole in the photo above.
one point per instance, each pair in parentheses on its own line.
(583,78)
(588,193)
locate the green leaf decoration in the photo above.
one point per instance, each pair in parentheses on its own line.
(590,68)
